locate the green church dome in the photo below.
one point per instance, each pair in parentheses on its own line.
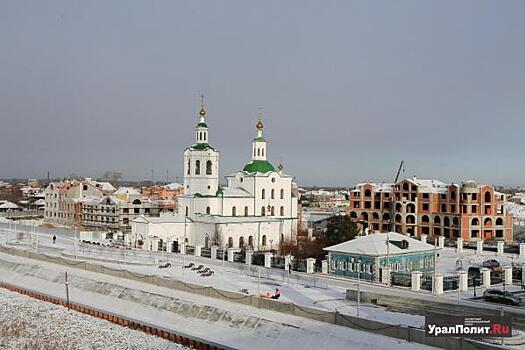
(259,166)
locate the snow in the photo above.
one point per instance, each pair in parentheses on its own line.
(29,323)
(236,325)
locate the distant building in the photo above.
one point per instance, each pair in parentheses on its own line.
(324,199)
(61,199)
(7,207)
(431,207)
(373,253)
(114,213)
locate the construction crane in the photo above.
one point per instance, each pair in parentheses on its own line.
(392,211)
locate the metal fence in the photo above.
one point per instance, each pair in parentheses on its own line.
(401,279)
(206,252)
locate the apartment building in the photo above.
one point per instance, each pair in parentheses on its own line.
(60,199)
(468,210)
(115,212)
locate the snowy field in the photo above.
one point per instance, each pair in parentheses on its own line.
(27,323)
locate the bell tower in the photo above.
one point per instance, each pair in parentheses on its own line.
(201,162)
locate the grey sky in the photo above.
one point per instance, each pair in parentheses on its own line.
(348,88)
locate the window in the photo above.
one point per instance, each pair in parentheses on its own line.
(282,194)
(273,179)
(208,210)
(272,194)
(234,211)
(264,240)
(241,242)
(281,211)
(487,197)
(263,210)
(189,167)
(136,210)
(208,167)
(250,241)
(187,211)
(426,207)
(246,211)
(368,193)
(197,167)
(230,243)
(272,211)
(263,193)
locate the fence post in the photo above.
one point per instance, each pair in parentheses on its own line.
(507,271)
(248,257)
(310,265)
(198,250)
(479,247)
(268,260)
(485,277)
(416,281)
(230,254)
(287,261)
(438,284)
(441,242)
(324,267)
(459,245)
(463,281)
(213,253)
(501,245)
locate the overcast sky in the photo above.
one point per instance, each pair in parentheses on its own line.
(349,88)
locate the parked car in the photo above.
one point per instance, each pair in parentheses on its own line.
(501,297)
(492,264)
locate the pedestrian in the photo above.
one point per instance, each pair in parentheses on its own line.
(277,294)
(54,239)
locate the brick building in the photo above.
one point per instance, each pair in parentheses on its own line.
(469,210)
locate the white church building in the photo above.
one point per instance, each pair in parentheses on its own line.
(256,209)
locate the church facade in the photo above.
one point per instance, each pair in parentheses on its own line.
(257,209)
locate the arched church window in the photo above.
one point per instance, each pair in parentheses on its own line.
(197,167)
(263,210)
(246,211)
(263,193)
(262,152)
(230,242)
(234,211)
(187,211)
(272,193)
(208,210)
(205,134)
(281,211)
(282,193)
(189,166)
(208,167)
(258,151)
(264,240)
(272,211)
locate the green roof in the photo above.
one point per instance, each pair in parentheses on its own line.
(260,166)
(259,139)
(202,147)
(202,125)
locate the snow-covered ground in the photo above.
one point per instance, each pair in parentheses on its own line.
(27,323)
(235,325)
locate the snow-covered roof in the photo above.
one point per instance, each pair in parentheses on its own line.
(174,186)
(429,185)
(127,190)
(378,187)
(40,202)
(105,186)
(8,205)
(235,192)
(375,244)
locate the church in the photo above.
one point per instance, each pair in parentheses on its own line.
(257,209)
